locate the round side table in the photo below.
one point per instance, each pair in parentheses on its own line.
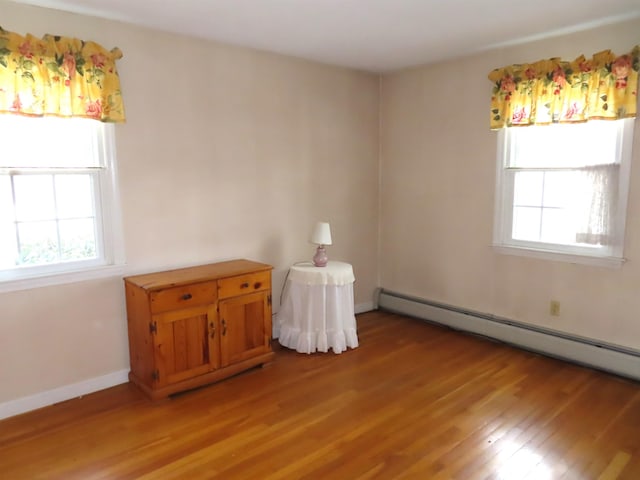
(317,312)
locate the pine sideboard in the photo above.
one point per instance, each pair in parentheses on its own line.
(193,326)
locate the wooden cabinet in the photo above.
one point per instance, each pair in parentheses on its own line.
(193,326)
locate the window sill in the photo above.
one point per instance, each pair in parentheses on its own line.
(62,278)
(610,262)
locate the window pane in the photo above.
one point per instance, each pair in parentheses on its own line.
(74,196)
(61,142)
(528,189)
(526,223)
(8,247)
(558,226)
(77,239)
(560,188)
(564,145)
(34,197)
(38,243)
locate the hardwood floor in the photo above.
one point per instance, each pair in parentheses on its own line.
(413,401)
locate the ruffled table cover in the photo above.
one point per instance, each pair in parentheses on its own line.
(317,312)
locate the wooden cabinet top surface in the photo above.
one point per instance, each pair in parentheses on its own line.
(200,273)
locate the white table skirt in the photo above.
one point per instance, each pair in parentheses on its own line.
(316,316)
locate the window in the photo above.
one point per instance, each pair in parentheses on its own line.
(57,197)
(562,190)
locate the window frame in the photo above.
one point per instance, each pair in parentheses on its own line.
(503,241)
(109,244)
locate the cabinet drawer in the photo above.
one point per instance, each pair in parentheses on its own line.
(182,297)
(242,284)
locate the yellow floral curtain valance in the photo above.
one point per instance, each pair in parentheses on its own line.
(60,76)
(555,91)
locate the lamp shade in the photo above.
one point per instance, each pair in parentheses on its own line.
(321,234)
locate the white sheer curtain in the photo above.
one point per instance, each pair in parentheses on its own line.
(598,204)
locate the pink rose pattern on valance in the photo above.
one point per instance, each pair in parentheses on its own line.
(604,87)
(59,76)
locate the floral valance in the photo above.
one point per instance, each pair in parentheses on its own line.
(604,87)
(59,76)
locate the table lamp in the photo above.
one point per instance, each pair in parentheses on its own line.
(321,236)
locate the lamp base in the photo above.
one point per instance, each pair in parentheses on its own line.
(320,259)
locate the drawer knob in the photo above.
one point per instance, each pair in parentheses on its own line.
(257,285)
(244,285)
(187,296)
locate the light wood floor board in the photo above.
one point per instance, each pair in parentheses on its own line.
(414,401)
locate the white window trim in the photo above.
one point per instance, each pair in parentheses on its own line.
(47,280)
(502,221)
(113,263)
(597,261)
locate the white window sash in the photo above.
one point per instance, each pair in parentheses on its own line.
(110,245)
(614,214)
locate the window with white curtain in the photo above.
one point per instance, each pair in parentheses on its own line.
(562,190)
(58,201)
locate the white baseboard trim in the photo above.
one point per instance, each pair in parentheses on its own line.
(60,394)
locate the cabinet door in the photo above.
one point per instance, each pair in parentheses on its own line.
(245,324)
(185,344)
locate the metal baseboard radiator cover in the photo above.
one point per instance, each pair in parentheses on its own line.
(610,358)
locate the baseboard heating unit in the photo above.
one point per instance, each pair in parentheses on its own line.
(611,358)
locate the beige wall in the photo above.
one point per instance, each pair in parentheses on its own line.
(226,153)
(438,175)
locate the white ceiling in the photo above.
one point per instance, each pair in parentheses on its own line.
(373,35)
